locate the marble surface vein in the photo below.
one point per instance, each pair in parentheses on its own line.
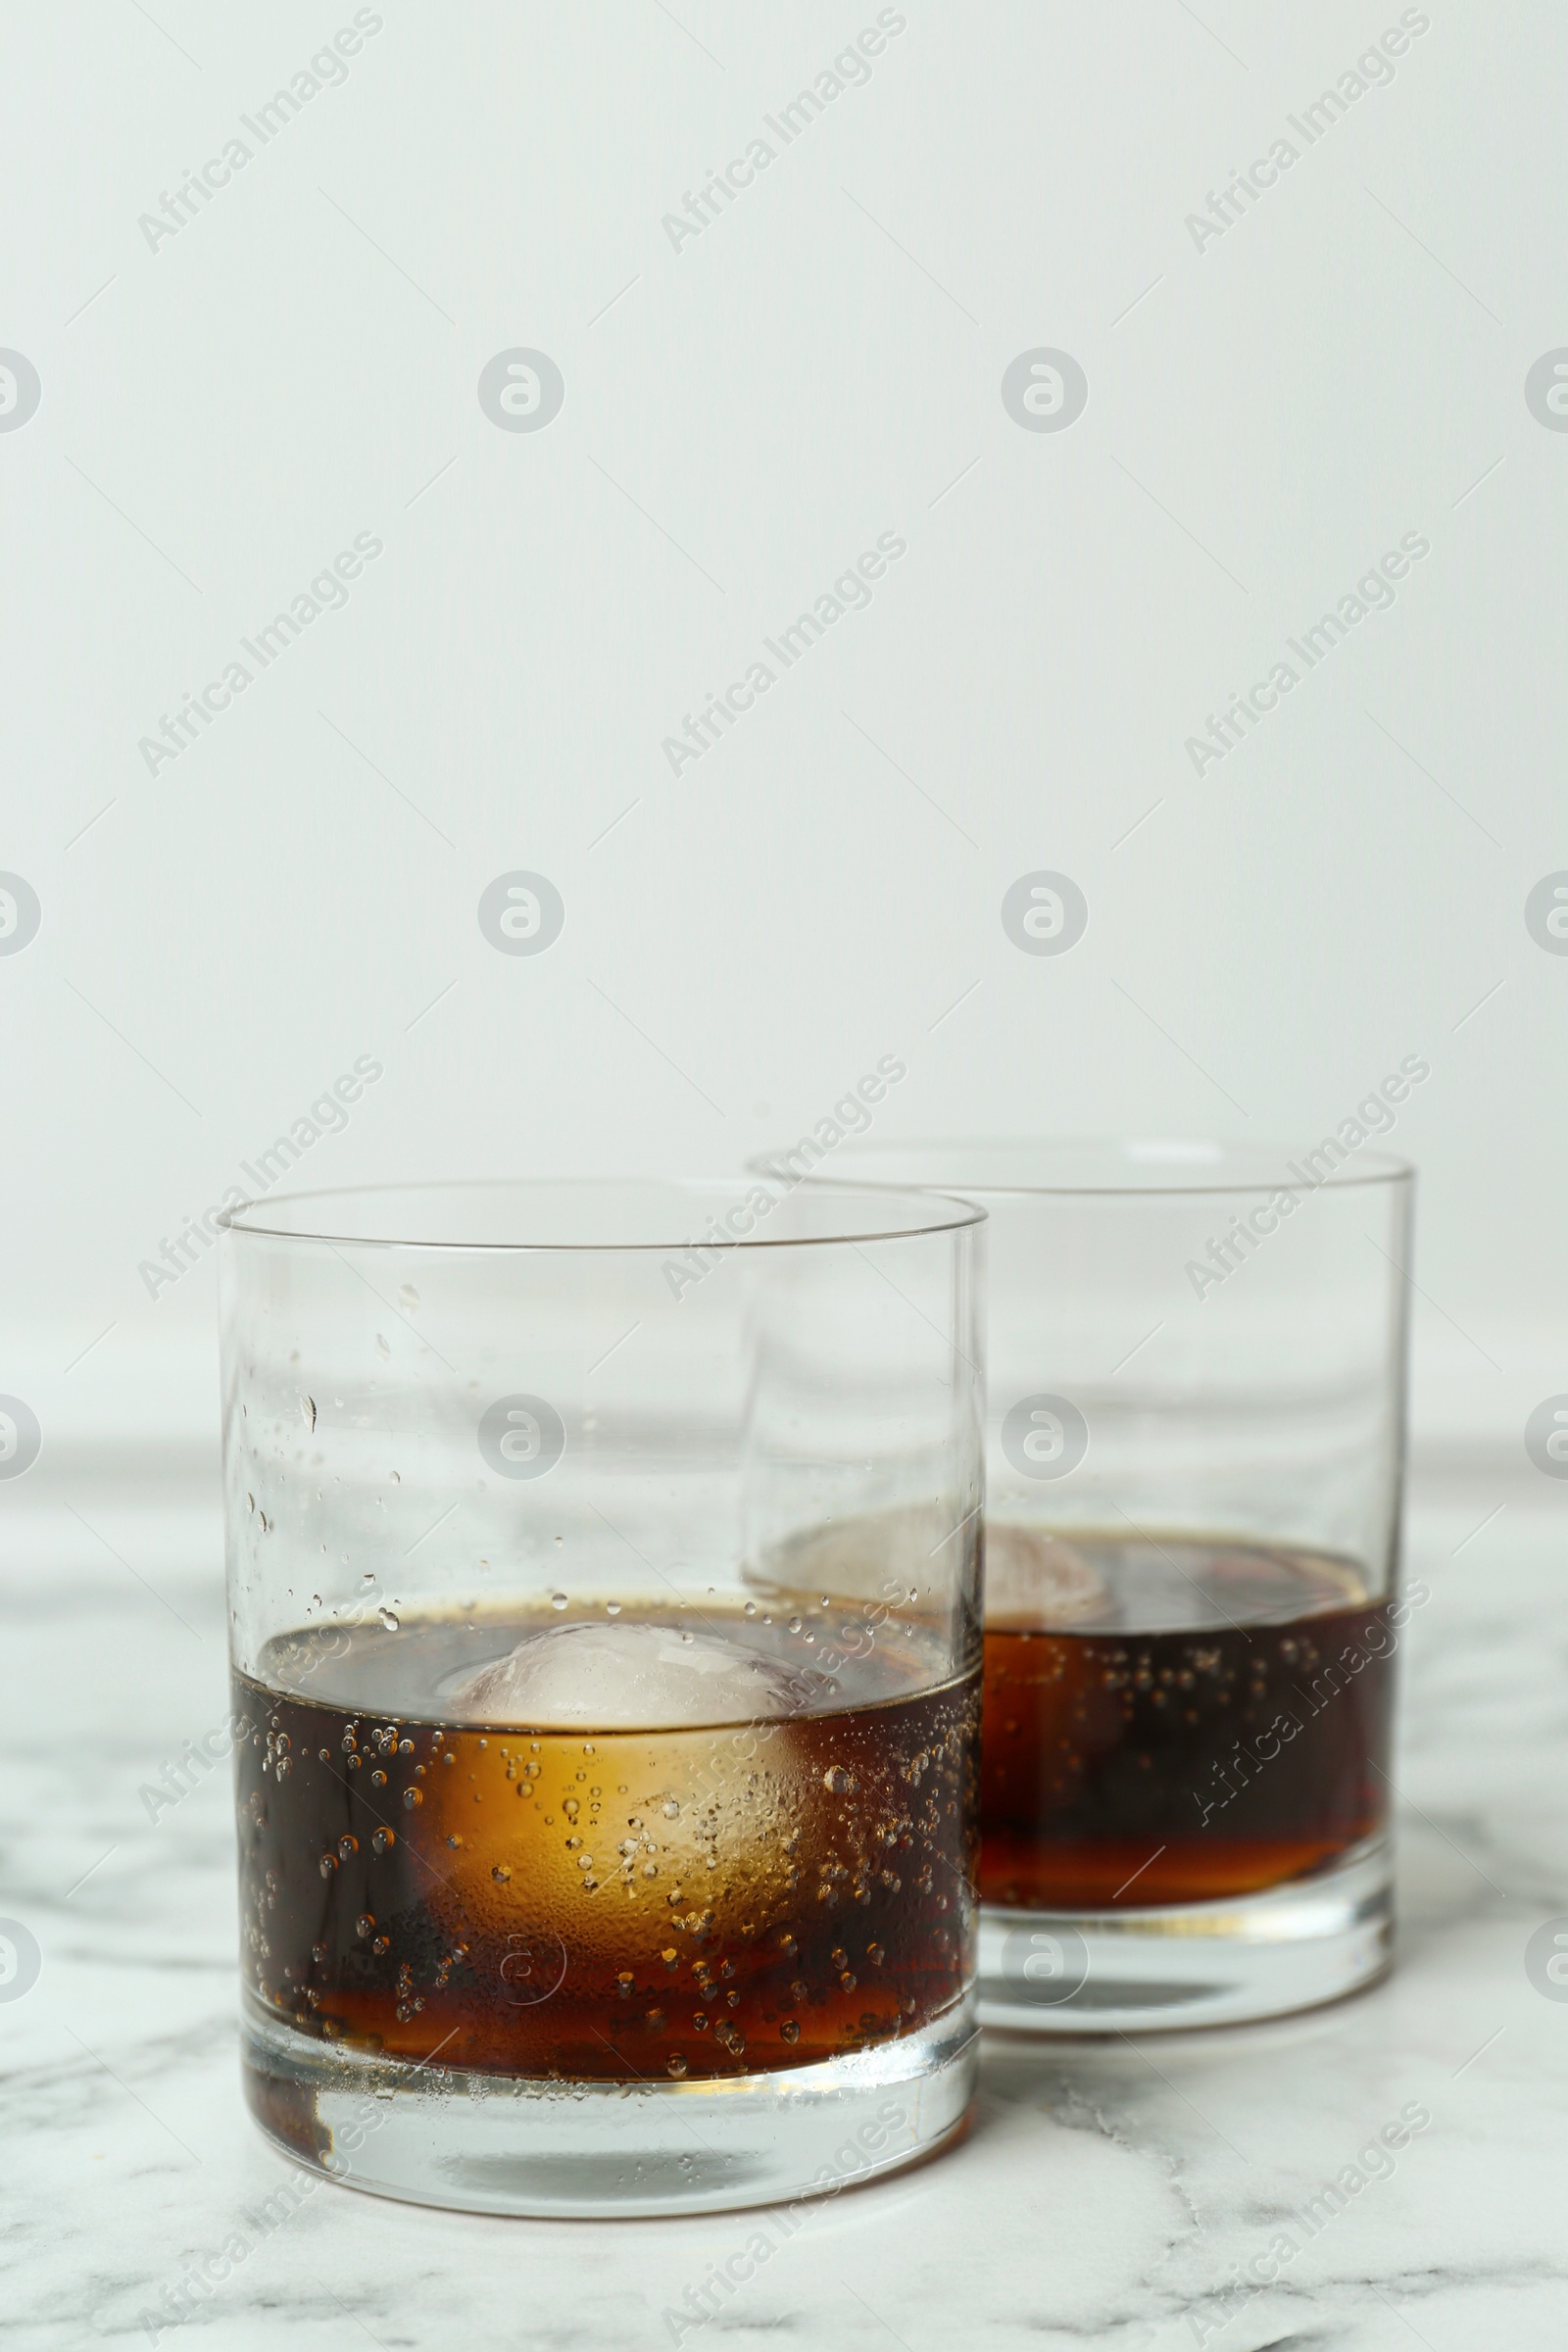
(1106,2194)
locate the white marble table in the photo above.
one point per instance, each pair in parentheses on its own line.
(1106,2194)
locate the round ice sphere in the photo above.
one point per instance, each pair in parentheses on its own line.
(625,1678)
(1036,1579)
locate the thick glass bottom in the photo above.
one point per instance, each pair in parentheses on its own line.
(1191,1964)
(498,2143)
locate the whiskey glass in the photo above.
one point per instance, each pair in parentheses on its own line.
(602,1568)
(1193,1458)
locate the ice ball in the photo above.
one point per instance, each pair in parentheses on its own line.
(1037,1579)
(625,1678)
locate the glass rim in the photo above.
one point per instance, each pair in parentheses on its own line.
(249,1220)
(1131,1167)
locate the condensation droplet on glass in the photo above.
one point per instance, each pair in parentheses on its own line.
(389,1618)
(558,1600)
(383,1350)
(836,1782)
(308,1411)
(407,1297)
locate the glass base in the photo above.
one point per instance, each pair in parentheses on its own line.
(1191,1964)
(500,2143)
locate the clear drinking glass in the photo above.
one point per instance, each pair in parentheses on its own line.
(1195,1447)
(603,1573)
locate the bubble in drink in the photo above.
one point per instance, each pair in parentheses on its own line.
(734,1862)
(1174,1720)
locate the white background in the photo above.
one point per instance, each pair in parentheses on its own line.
(1265,418)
